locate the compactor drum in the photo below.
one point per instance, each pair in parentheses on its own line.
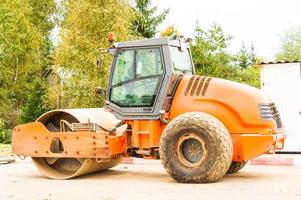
(156,108)
(68,167)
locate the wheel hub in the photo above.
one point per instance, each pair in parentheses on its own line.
(191,150)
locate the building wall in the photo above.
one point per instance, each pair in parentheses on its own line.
(282,82)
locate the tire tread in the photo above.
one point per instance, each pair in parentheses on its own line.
(218,135)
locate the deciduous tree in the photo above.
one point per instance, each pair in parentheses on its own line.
(209,51)
(22,54)
(42,16)
(84,29)
(209,48)
(291,46)
(170,31)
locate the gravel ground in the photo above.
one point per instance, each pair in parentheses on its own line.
(148,180)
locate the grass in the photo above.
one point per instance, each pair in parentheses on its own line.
(5,149)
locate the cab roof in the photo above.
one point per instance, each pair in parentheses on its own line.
(149,42)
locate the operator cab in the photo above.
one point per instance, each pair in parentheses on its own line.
(143,74)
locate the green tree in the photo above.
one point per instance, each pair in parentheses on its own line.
(211,58)
(84,29)
(5,135)
(43,18)
(34,106)
(43,15)
(291,46)
(209,49)
(22,56)
(19,52)
(253,56)
(245,58)
(170,31)
(145,22)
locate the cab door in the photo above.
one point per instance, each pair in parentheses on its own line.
(136,79)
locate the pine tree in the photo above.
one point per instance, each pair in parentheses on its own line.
(145,22)
(245,58)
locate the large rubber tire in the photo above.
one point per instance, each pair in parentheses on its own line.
(236,166)
(217,142)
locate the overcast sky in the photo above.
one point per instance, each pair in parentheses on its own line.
(258,21)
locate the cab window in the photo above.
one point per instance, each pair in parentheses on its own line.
(181,62)
(136,77)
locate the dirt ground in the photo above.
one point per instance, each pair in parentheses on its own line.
(21,180)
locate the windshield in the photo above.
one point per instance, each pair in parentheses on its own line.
(180,60)
(136,76)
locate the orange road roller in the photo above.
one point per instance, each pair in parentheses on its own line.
(156,108)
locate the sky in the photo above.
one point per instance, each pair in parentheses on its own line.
(261,22)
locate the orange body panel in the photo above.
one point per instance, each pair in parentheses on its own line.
(245,146)
(235,105)
(34,140)
(248,146)
(117,144)
(146,133)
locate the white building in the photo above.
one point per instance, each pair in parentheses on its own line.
(282,82)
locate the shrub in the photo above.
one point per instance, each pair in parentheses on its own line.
(5,136)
